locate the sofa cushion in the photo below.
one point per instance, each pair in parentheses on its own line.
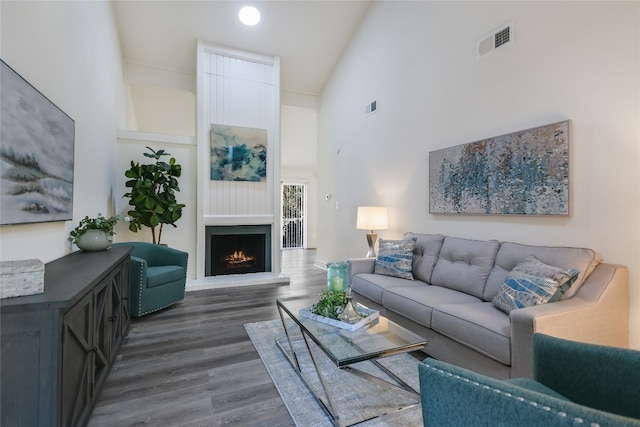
(510,254)
(425,254)
(479,326)
(395,258)
(415,300)
(162,274)
(533,282)
(464,264)
(373,285)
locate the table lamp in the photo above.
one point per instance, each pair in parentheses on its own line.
(372,218)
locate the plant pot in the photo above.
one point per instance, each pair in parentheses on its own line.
(93,240)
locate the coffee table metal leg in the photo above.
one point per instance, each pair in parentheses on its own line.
(286,332)
(398,382)
(329,407)
(332,407)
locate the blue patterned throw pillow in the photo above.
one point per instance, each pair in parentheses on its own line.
(395,258)
(532,282)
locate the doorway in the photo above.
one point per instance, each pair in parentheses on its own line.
(294,201)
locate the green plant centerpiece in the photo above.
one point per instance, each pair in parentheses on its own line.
(152,194)
(330,304)
(94,234)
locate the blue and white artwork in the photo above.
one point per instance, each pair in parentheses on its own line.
(521,173)
(238,153)
(36,154)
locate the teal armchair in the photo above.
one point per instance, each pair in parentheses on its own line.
(574,384)
(158,276)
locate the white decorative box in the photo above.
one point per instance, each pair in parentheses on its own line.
(371,316)
(20,278)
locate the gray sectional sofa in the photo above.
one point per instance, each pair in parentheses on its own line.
(454,281)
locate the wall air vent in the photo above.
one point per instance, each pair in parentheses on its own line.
(371,107)
(501,37)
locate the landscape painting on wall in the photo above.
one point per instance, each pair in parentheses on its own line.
(238,153)
(521,173)
(36,154)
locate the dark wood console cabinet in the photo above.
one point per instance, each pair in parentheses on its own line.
(56,348)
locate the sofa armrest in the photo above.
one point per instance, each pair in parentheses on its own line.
(360,265)
(453,396)
(598,313)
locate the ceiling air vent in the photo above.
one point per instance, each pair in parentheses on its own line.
(499,38)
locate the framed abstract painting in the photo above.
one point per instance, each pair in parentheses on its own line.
(521,173)
(238,153)
(36,152)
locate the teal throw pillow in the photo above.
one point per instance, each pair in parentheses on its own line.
(395,258)
(532,282)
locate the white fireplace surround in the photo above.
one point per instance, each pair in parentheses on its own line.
(229,280)
(232,280)
(241,89)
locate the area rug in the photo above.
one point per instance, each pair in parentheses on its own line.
(356,398)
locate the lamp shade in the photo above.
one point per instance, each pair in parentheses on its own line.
(372,218)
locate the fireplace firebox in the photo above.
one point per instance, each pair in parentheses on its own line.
(237,249)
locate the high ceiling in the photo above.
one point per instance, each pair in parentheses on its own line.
(308,35)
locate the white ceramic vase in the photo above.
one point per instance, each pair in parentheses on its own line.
(93,240)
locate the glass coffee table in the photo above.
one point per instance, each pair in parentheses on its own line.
(346,350)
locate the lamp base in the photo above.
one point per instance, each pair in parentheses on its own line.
(371,239)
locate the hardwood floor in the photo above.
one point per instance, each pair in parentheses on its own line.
(194,365)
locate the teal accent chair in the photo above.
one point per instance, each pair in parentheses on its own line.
(574,384)
(158,275)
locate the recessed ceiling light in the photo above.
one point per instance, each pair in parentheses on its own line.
(249,15)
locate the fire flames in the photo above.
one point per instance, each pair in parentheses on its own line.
(238,259)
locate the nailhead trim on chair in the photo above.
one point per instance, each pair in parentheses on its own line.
(562,414)
(139,287)
(140,284)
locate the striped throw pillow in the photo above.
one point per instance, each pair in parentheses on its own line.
(532,282)
(395,258)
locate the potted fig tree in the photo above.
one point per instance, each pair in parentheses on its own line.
(152,193)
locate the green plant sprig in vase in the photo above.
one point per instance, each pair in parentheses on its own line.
(93,234)
(330,304)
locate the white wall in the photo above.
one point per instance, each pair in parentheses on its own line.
(162,101)
(569,60)
(164,110)
(71,53)
(299,137)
